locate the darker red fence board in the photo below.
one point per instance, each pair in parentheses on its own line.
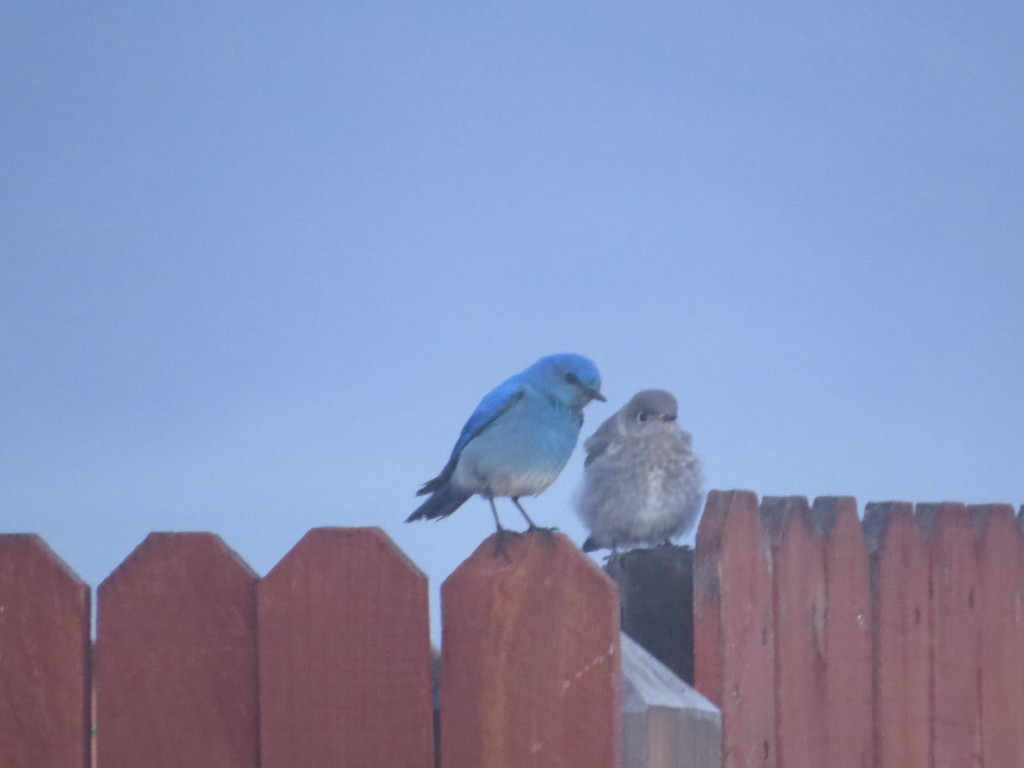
(175,668)
(798,573)
(956,711)
(901,625)
(344,641)
(734,631)
(656,591)
(1001,629)
(44,651)
(530,659)
(847,629)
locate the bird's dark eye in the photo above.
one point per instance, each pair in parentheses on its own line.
(641,416)
(572,378)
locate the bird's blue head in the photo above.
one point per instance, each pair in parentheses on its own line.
(568,378)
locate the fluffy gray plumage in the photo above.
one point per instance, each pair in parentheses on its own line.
(642,483)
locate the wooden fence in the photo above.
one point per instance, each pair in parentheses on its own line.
(896,643)
(325,661)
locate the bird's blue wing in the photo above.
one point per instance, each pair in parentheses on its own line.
(495,403)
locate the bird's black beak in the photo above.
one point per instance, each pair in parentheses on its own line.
(596,395)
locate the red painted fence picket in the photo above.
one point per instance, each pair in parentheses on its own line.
(847,634)
(901,617)
(799,598)
(44,653)
(734,632)
(956,706)
(530,659)
(175,673)
(344,643)
(1000,558)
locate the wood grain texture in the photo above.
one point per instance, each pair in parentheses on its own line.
(733,626)
(956,704)
(665,722)
(344,644)
(44,654)
(530,656)
(848,710)
(798,576)
(901,626)
(1001,629)
(175,668)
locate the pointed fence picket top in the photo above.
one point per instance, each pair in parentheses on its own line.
(175,673)
(734,637)
(847,634)
(956,711)
(344,643)
(665,722)
(998,601)
(798,581)
(530,659)
(44,651)
(901,621)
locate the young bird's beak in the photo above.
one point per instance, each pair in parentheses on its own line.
(596,395)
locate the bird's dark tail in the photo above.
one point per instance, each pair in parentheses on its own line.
(442,502)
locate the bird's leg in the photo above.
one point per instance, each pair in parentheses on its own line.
(499,540)
(613,565)
(533,525)
(494,511)
(613,556)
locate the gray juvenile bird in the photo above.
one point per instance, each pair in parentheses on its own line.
(642,483)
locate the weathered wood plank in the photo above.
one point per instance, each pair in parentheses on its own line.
(175,671)
(1001,627)
(344,648)
(901,626)
(44,653)
(798,577)
(847,629)
(530,659)
(733,626)
(956,705)
(665,722)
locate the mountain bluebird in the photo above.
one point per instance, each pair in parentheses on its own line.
(641,481)
(518,439)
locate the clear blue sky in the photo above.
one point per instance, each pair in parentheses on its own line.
(258,262)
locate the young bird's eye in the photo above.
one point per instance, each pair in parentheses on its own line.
(641,416)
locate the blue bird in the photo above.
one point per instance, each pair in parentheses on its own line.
(518,439)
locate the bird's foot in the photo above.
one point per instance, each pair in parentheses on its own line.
(499,541)
(548,534)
